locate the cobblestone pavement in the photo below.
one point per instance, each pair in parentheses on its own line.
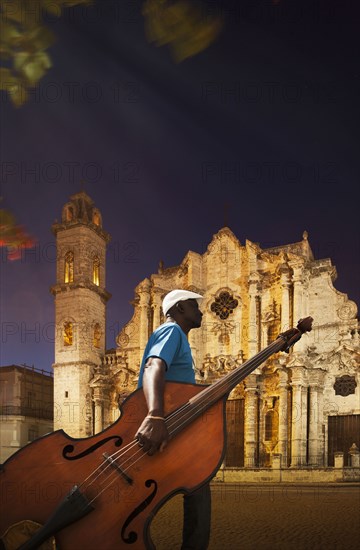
(280,517)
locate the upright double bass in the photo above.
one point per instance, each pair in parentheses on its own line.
(103,491)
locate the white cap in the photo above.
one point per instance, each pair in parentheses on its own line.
(176,296)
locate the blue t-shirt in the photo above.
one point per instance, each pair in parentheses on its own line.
(169,343)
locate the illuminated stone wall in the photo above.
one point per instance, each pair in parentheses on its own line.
(250,296)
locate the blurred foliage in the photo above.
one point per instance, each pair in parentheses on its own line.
(13,236)
(24,39)
(182,25)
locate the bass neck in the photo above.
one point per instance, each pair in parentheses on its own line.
(220,389)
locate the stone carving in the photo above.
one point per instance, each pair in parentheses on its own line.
(100,378)
(238,392)
(271,385)
(123,339)
(130,333)
(347,311)
(214,367)
(345,385)
(224,330)
(343,359)
(224,305)
(272,313)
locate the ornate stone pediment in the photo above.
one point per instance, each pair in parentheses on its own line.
(225,234)
(100,378)
(124,378)
(345,359)
(215,367)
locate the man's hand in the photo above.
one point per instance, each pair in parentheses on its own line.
(152,435)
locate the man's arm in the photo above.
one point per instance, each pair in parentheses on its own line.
(152,434)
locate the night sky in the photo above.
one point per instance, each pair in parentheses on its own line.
(259,132)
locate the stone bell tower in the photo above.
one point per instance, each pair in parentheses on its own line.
(80,307)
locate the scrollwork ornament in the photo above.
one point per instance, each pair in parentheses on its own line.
(122,339)
(347,311)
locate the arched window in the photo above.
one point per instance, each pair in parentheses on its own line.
(97,335)
(68,334)
(96,271)
(69,267)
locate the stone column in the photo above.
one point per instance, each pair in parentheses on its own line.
(297,435)
(98,415)
(285,282)
(283,416)
(156,306)
(298,304)
(16,437)
(251,420)
(304,422)
(107,413)
(253,326)
(321,424)
(144,293)
(314,427)
(316,418)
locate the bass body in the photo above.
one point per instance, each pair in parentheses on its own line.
(123,497)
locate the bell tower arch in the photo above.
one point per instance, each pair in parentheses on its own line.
(80,312)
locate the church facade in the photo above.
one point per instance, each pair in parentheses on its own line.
(297,410)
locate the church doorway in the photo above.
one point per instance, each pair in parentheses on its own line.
(234,457)
(343,431)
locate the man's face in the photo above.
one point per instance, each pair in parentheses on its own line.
(192,313)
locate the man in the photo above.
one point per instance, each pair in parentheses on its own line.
(168,356)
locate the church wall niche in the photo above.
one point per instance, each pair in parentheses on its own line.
(96,270)
(69,267)
(68,333)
